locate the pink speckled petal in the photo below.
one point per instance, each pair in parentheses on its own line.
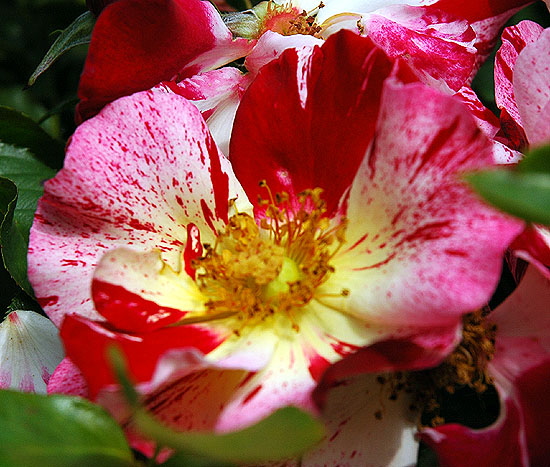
(30,349)
(533,245)
(486,17)
(67,379)
(532,89)
(417,237)
(514,40)
(154,169)
(437,46)
(217,95)
(487,120)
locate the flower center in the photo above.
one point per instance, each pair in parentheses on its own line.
(288,20)
(464,369)
(257,271)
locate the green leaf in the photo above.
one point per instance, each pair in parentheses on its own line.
(8,192)
(78,33)
(19,130)
(523,194)
(58,431)
(28,174)
(536,160)
(8,288)
(286,433)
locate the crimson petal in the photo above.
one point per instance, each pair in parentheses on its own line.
(323,109)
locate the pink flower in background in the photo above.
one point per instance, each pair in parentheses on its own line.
(522,84)
(520,369)
(522,92)
(136,44)
(340,223)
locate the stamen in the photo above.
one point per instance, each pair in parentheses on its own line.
(288,20)
(254,272)
(465,367)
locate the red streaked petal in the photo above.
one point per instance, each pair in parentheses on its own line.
(431,42)
(216,94)
(480,10)
(514,40)
(142,351)
(533,245)
(322,107)
(520,369)
(417,237)
(130,312)
(158,171)
(420,351)
(532,89)
(138,292)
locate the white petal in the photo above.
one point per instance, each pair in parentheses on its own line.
(30,349)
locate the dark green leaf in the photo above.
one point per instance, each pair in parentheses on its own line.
(536,160)
(287,433)
(180,459)
(8,192)
(58,431)
(523,194)
(19,130)
(78,33)
(28,174)
(8,288)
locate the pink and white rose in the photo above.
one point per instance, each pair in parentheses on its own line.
(228,307)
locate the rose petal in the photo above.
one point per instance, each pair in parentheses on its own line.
(271,45)
(142,351)
(366,427)
(317,117)
(67,379)
(520,370)
(514,40)
(30,349)
(216,94)
(532,88)
(414,352)
(417,237)
(138,292)
(113,200)
(139,43)
(431,42)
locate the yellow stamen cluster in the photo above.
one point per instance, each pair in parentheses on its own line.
(465,367)
(288,20)
(253,272)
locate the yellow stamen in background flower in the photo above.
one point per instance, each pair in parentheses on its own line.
(254,272)
(465,367)
(288,20)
